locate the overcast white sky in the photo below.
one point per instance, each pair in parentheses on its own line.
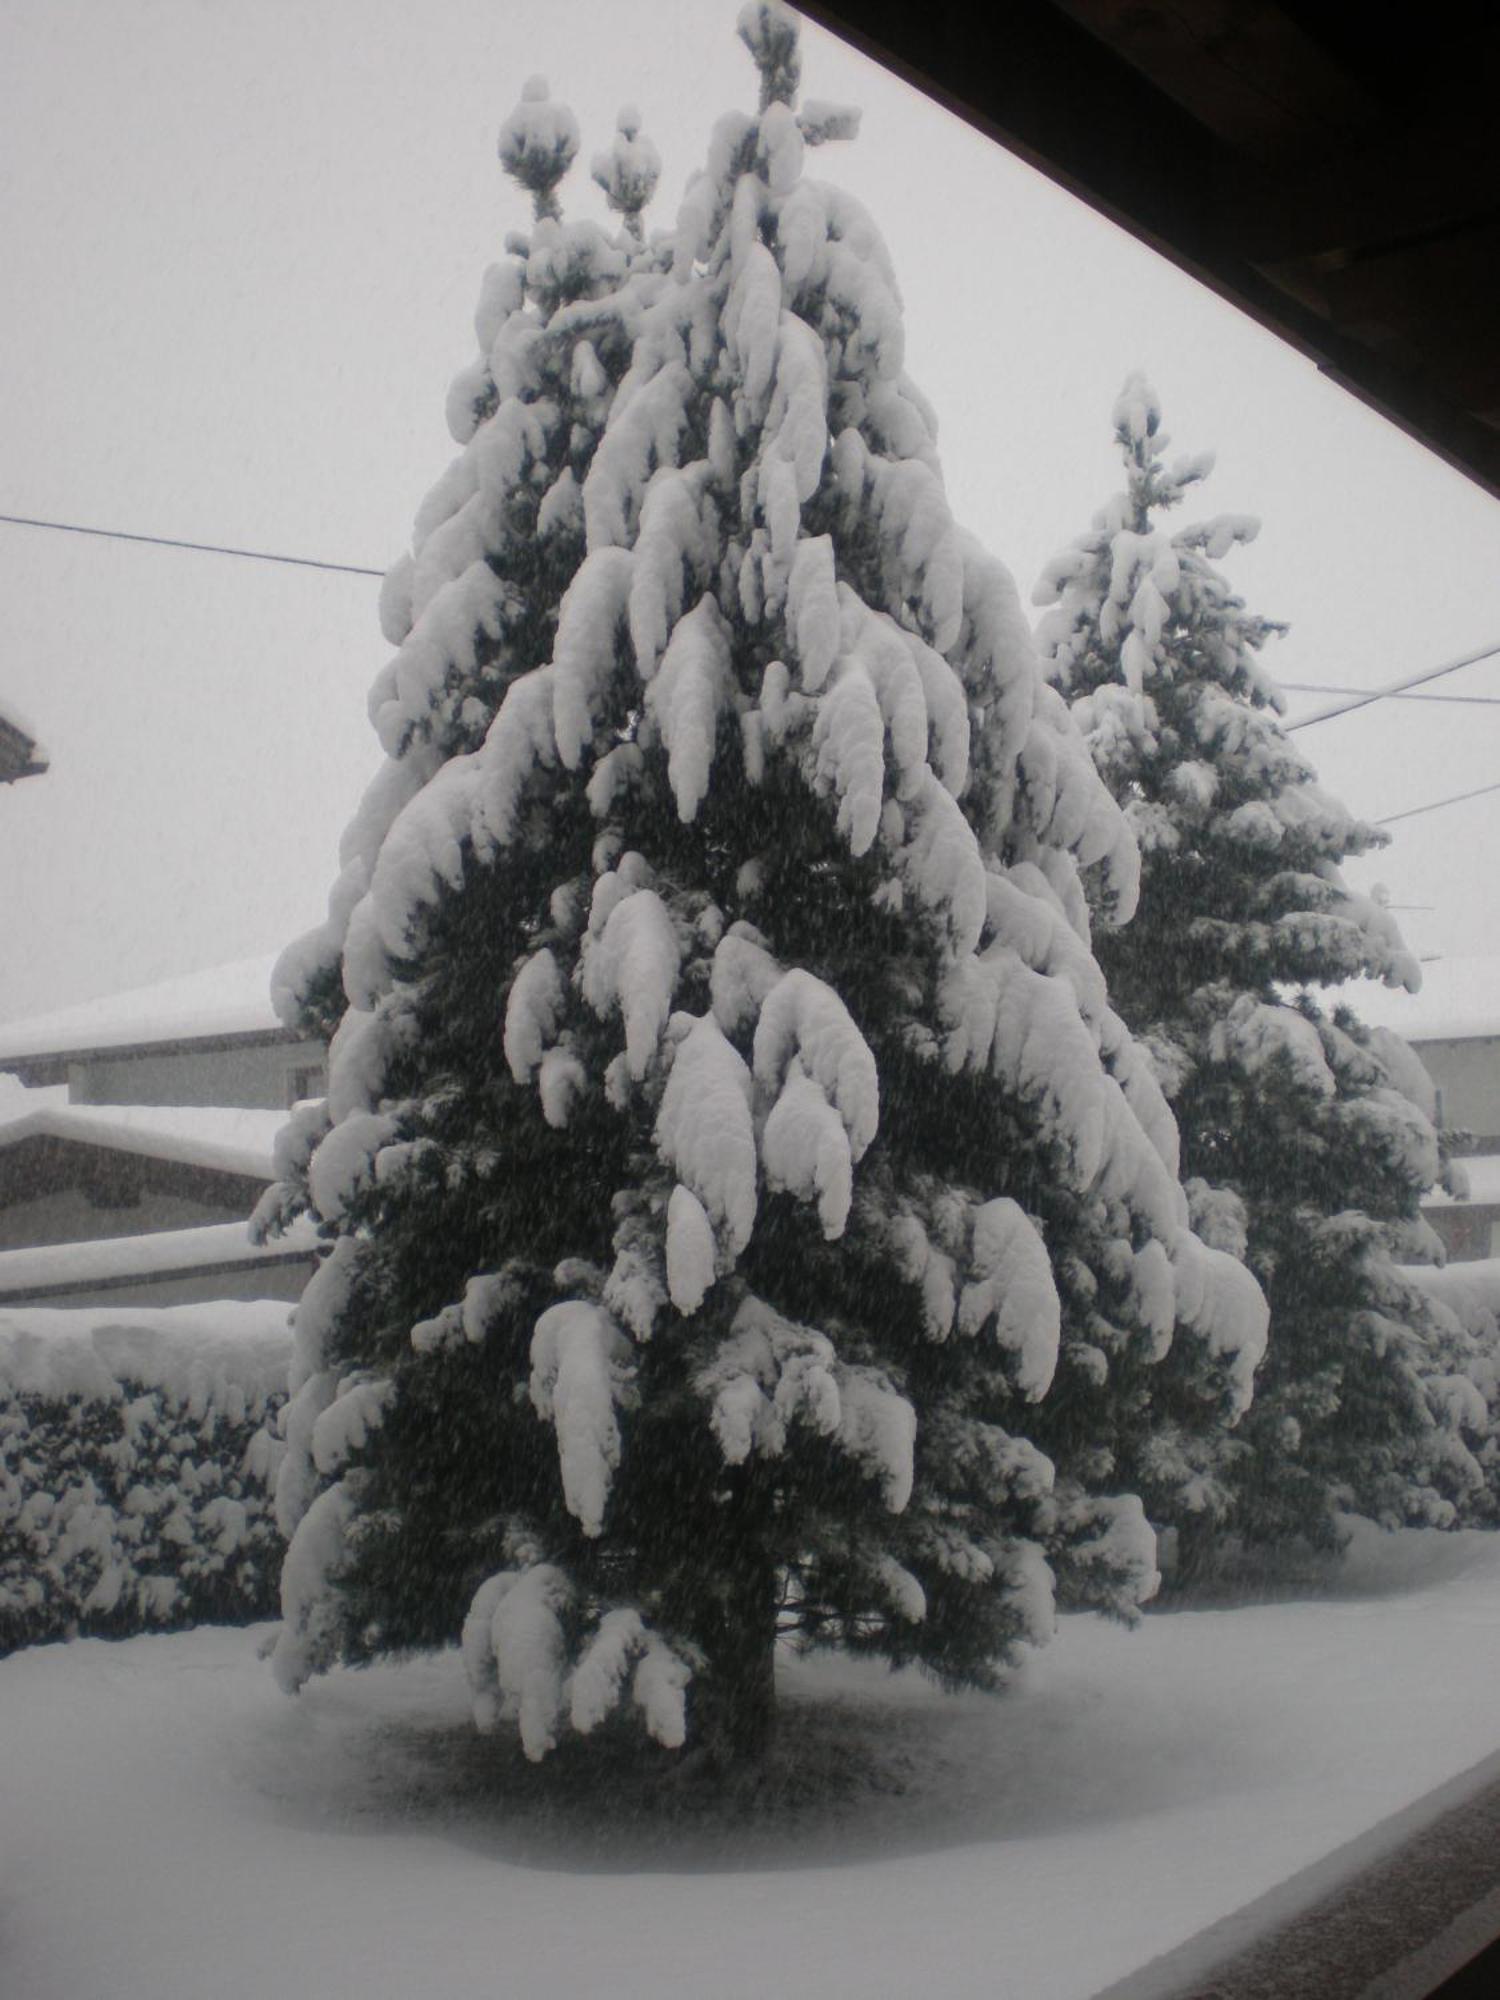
(242,241)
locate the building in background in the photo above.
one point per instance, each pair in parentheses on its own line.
(210,1038)
(1453,1025)
(21,755)
(136,1135)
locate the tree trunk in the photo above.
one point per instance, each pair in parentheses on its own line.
(1197,1551)
(734,1703)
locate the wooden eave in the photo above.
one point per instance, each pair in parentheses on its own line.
(1333,171)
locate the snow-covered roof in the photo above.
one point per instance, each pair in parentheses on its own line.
(1459,1000)
(1482,1173)
(17,1098)
(48,1267)
(224,1137)
(57,1351)
(221,1000)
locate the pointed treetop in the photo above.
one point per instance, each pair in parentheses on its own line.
(769,31)
(538,143)
(1143,445)
(1137,411)
(629,171)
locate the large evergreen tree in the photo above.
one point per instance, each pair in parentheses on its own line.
(1305,1143)
(719,1071)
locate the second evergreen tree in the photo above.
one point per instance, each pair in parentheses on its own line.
(1305,1146)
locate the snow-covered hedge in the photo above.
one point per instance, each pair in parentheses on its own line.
(137,1459)
(1471,1292)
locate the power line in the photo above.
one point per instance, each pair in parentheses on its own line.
(1456,800)
(202,548)
(1447,700)
(1393,688)
(1394,691)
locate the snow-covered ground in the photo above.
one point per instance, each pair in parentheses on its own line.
(173,1827)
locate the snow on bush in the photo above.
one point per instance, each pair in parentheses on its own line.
(1468,1402)
(136,1464)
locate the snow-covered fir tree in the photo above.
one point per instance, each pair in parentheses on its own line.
(726,1126)
(1306,1139)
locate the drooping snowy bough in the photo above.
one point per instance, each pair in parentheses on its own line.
(1307,1141)
(727,1130)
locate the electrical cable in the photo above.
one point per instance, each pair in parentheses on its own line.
(1456,800)
(1447,700)
(202,548)
(1393,688)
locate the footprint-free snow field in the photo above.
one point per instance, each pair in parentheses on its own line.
(174,1827)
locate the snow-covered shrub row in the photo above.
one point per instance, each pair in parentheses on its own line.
(1470,1291)
(136,1461)
(1470,1294)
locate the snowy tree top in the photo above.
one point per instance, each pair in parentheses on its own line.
(1160,660)
(629,171)
(538,142)
(1137,411)
(1129,585)
(769,31)
(1151,482)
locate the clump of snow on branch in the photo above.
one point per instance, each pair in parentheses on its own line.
(625,1651)
(803,1019)
(744,972)
(533,1010)
(805,1149)
(704,1130)
(685,698)
(769,1375)
(580,1375)
(630,966)
(1219,1299)
(691,1253)
(345,1426)
(1010,1288)
(514,1652)
(307,1640)
(1256,1036)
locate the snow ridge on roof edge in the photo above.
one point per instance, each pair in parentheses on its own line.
(218,1000)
